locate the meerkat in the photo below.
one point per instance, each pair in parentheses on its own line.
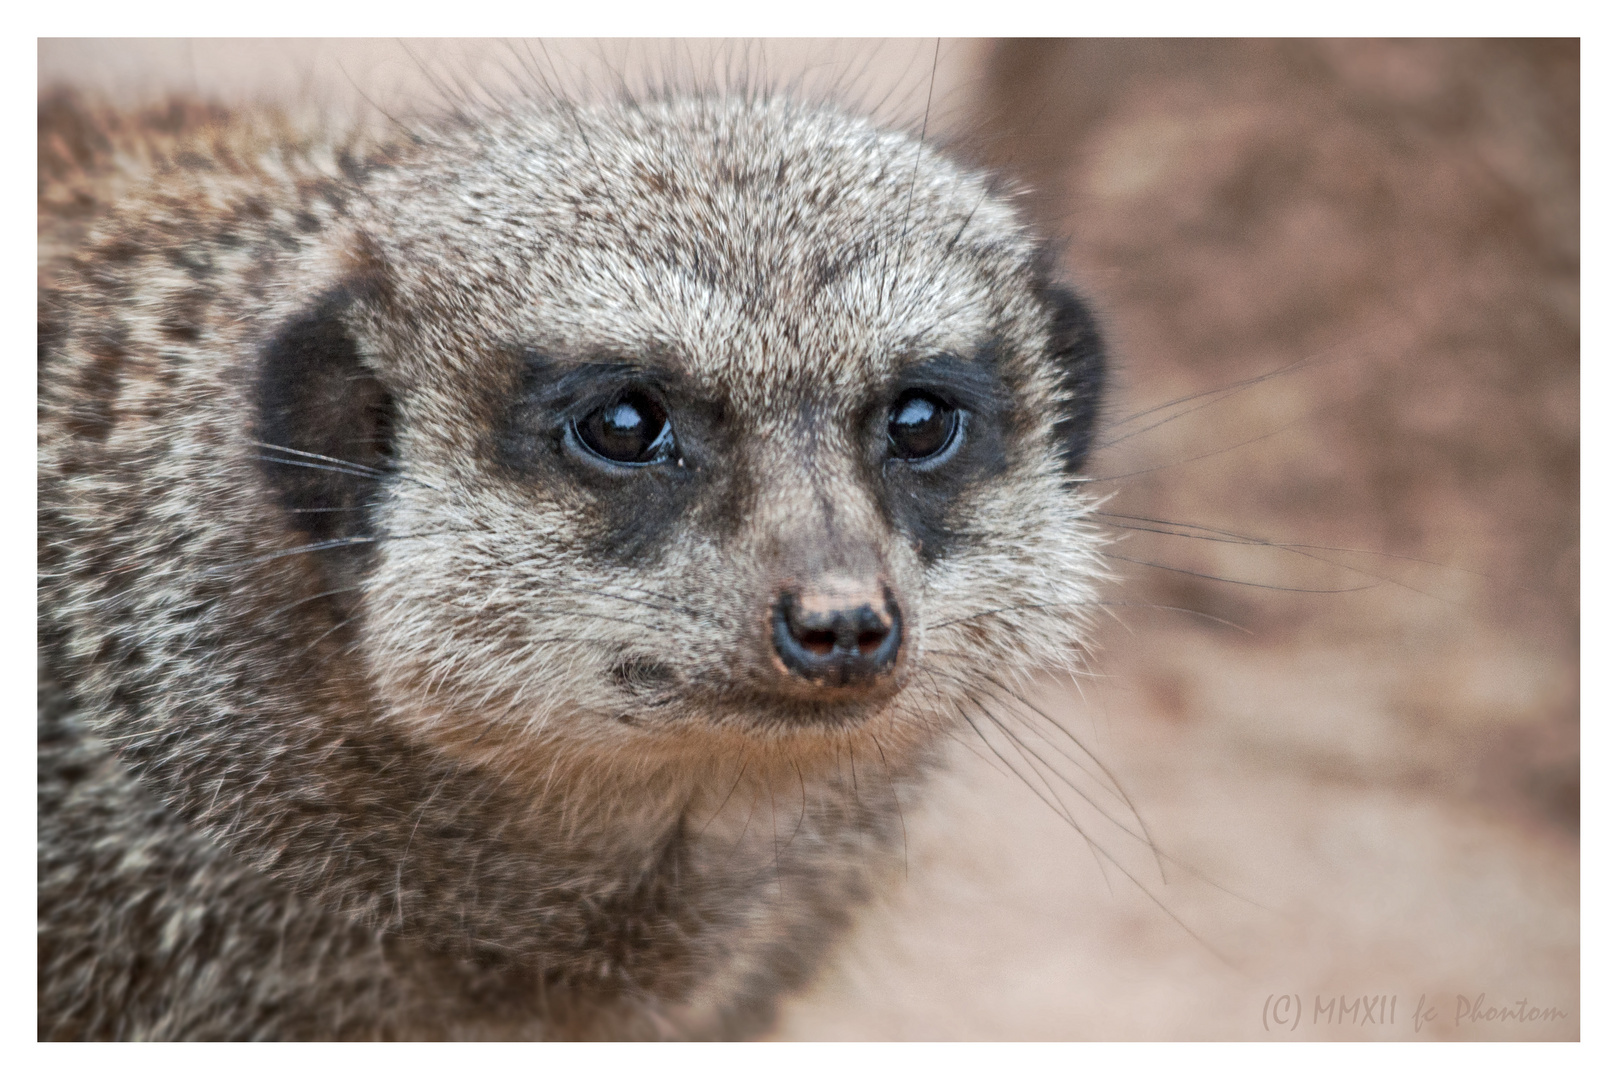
(508,581)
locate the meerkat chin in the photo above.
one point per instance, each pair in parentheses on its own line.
(509,582)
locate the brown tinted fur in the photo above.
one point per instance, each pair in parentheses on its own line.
(496,749)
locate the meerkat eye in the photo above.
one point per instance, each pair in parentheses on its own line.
(920,427)
(631,429)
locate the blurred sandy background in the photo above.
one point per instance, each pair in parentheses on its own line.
(1361,768)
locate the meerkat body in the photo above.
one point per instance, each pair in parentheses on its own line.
(509,582)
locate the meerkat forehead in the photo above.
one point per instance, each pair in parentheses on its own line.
(750,243)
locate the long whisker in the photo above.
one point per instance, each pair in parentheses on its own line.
(1055,806)
(1207,455)
(330,545)
(803,807)
(318,466)
(943,703)
(1117,787)
(1210,534)
(1012,608)
(904,232)
(1111,783)
(309,459)
(1180,610)
(904,833)
(1102,852)
(1108,781)
(1236,581)
(1205,398)
(741,767)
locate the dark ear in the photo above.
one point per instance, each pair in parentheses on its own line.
(325,422)
(1076,347)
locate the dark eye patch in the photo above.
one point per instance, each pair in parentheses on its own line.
(943,427)
(634,447)
(554,397)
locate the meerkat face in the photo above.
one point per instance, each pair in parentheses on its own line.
(711,420)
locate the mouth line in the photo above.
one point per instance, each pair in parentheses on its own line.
(742,710)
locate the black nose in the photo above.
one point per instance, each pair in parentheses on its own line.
(835,639)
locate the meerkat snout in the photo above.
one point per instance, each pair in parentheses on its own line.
(841,634)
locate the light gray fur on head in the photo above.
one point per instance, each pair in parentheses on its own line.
(525,759)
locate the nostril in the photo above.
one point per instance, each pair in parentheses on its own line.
(819,642)
(870,641)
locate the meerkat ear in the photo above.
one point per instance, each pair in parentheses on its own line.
(324,422)
(1075,343)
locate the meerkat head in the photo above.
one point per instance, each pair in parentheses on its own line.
(694,422)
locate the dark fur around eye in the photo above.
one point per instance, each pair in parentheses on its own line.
(325,424)
(1077,349)
(601,416)
(963,415)
(632,445)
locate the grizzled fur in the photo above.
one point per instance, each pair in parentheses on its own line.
(372,708)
